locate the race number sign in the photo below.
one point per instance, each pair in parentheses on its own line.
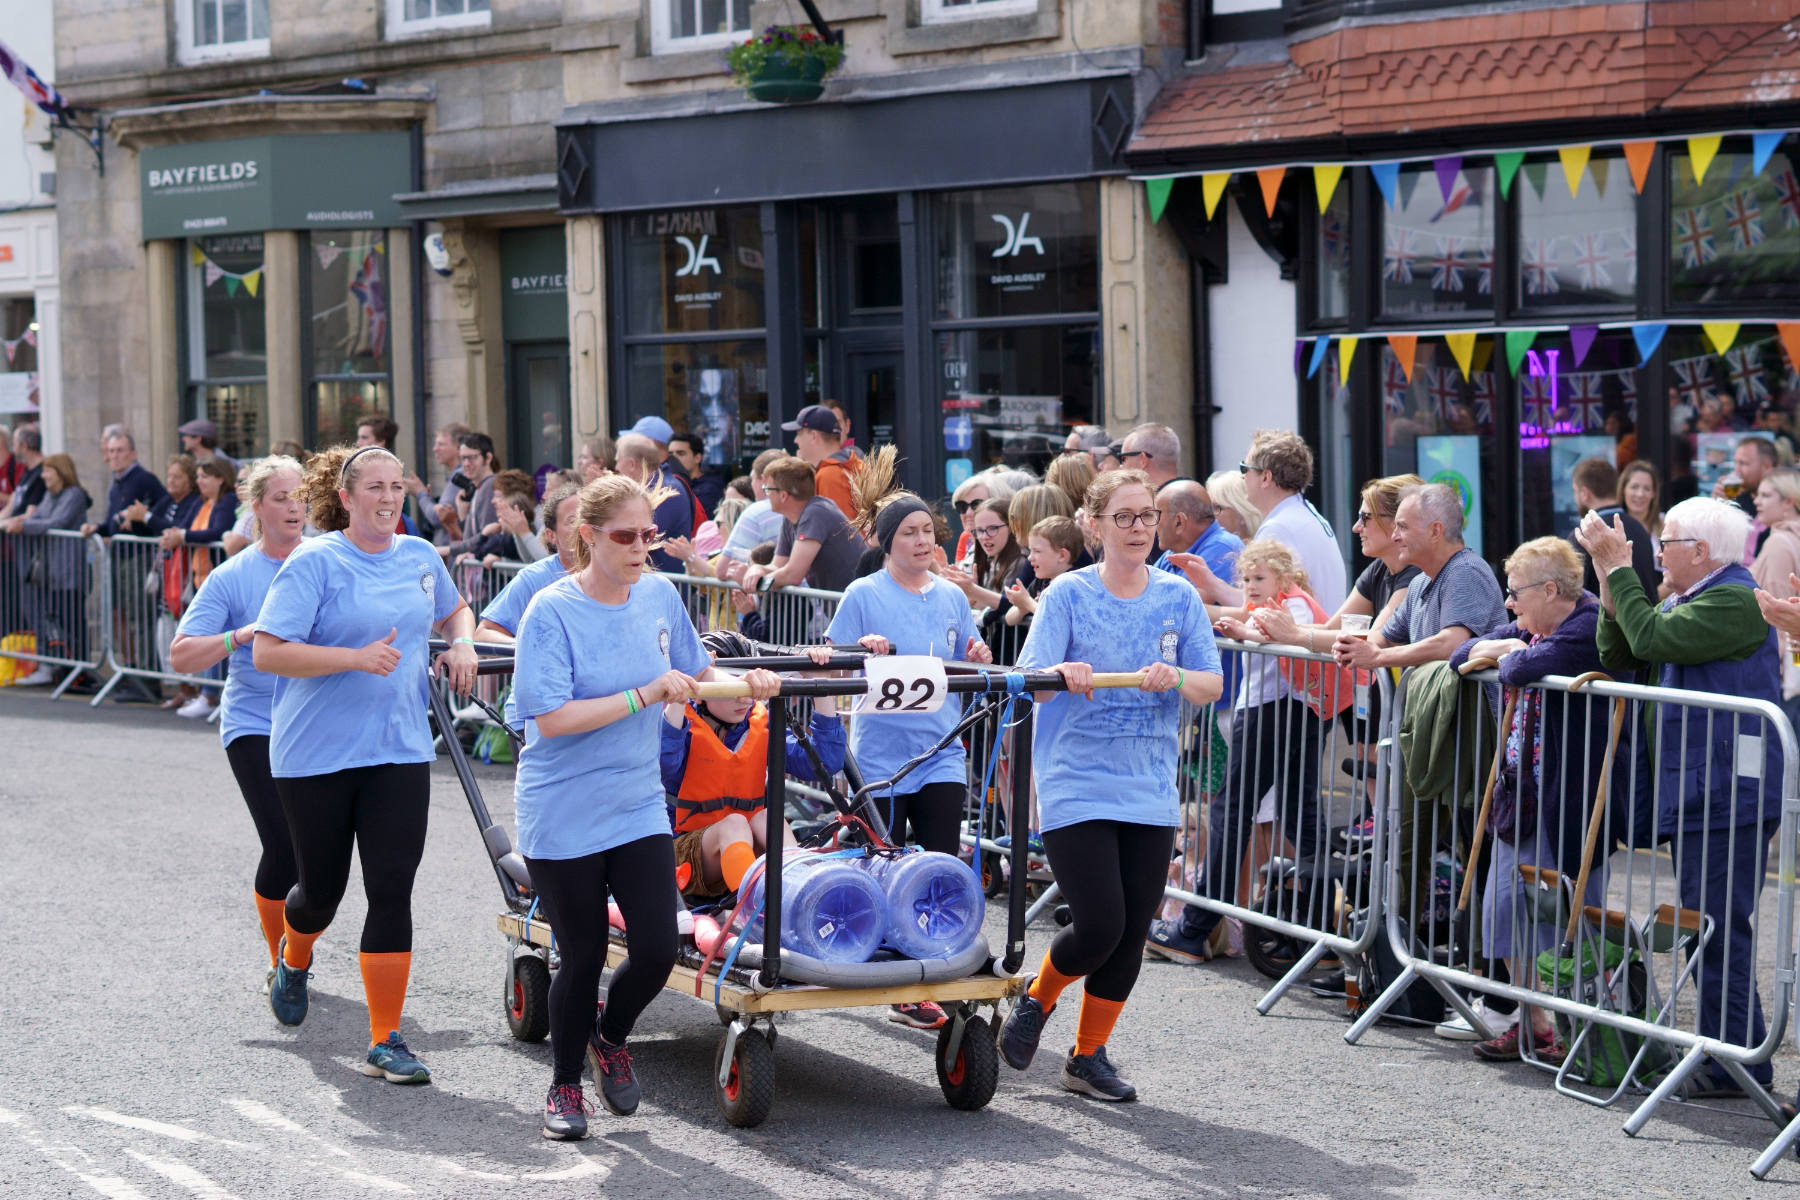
(902,684)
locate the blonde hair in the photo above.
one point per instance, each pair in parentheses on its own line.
(1551,559)
(1276,559)
(253,482)
(1786,482)
(1072,473)
(331,470)
(1654,519)
(1030,505)
(1226,490)
(1060,533)
(600,499)
(1100,492)
(1382,496)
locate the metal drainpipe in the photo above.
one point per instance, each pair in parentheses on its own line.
(1203,408)
(417,332)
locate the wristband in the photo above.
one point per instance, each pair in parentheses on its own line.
(228,642)
(462,641)
(631,702)
(1180,678)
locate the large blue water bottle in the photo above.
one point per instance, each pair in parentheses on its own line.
(830,909)
(934,906)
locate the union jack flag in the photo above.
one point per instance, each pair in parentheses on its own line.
(1534,401)
(1628,392)
(1540,266)
(1694,236)
(1628,251)
(1441,391)
(1787,194)
(1483,383)
(1394,385)
(1446,268)
(1484,268)
(1743,217)
(1693,377)
(1590,261)
(367,289)
(1586,400)
(1746,369)
(1331,236)
(1397,257)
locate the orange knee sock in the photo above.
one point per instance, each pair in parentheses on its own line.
(1095,1024)
(384,985)
(298,954)
(272,914)
(1049,984)
(734,862)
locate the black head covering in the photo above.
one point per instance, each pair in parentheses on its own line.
(887,521)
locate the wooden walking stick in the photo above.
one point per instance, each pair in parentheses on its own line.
(1487,797)
(1594,819)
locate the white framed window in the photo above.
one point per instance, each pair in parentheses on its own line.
(410,18)
(679,25)
(212,29)
(936,12)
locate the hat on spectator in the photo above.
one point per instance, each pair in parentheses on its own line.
(200,427)
(813,416)
(654,428)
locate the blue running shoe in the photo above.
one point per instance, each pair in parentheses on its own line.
(1024,1026)
(1033,844)
(1094,1075)
(392,1061)
(565,1113)
(287,990)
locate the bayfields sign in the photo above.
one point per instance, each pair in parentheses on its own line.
(290,181)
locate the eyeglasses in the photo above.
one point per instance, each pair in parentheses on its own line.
(631,537)
(1125,520)
(1513,593)
(773,491)
(1134,454)
(1669,541)
(1245,468)
(988,530)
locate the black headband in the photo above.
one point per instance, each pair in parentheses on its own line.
(344,471)
(887,521)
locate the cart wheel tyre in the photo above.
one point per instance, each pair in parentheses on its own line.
(749,1090)
(969,1082)
(726,1016)
(1062,915)
(528,999)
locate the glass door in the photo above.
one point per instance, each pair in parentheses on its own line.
(872,397)
(537,406)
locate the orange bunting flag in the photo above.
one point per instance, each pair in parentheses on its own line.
(1789,332)
(1638,155)
(1404,346)
(1270,178)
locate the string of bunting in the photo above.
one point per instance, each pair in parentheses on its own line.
(213,272)
(28,338)
(1702,148)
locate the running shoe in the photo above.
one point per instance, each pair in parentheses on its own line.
(38,678)
(1459,1030)
(924,1015)
(1361,831)
(1024,1026)
(287,990)
(565,1113)
(613,1074)
(1094,1075)
(392,1061)
(1177,941)
(1033,844)
(268,981)
(199,706)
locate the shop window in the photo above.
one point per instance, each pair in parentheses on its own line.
(1331,274)
(1008,252)
(678,25)
(718,390)
(694,270)
(1736,235)
(349,332)
(1568,412)
(405,18)
(1717,399)
(871,233)
(227,350)
(1010,396)
(1441,426)
(932,12)
(19,369)
(210,29)
(1576,251)
(1437,254)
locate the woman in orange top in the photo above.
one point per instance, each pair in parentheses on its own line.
(185,570)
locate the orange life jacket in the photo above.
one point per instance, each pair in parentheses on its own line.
(718,781)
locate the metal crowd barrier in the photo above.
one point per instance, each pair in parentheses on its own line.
(789,616)
(54,589)
(478,583)
(1623,879)
(149,589)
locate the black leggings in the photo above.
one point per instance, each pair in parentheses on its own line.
(275,871)
(382,810)
(935,812)
(1112,875)
(641,877)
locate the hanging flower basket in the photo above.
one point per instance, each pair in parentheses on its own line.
(784,64)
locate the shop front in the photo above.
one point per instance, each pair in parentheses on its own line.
(30,342)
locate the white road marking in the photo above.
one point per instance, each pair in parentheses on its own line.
(110,1186)
(184,1175)
(261,1114)
(584,1169)
(180,1133)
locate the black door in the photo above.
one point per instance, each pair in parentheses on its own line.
(872,396)
(537,407)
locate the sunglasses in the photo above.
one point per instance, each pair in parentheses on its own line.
(963,506)
(1245,468)
(1134,454)
(631,537)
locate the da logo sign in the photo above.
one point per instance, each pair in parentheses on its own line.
(1017,237)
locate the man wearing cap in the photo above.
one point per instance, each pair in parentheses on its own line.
(662,433)
(200,438)
(819,441)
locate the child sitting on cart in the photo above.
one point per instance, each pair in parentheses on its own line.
(715,756)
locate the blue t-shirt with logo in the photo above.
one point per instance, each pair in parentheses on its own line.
(1113,758)
(231,598)
(330,593)
(508,609)
(586,792)
(937,621)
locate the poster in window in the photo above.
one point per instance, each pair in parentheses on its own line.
(713,414)
(1565,452)
(1455,459)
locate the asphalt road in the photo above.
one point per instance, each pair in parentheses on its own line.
(138,1056)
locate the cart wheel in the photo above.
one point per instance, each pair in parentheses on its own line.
(726,1016)
(969,1082)
(749,1090)
(528,999)
(1062,915)
(993,876)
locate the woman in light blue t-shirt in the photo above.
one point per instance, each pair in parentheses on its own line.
(1105,763)
(220,624)
(599,653)
(346,626)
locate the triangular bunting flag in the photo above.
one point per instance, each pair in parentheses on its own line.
(1574,162)
(1700,154)
(1462,349)
(1387,178)
(1405,347)
(1648,337)
(1761,146)
(1157,192)
(1270,178)
(30,336)
(1789,332)
(1600,168)
(1320,346)
(1484,354)
(1507,163)
(214,272)
(231,285)
(328,254)
(1447,169)
(1638,155)
(1581,337)
(1211,188)
(196,256)
(1721,334)
(1346,352)
(1299,345)
(251,280)
(1409,183)
(1537,174)
(1325,181)
(1518,341)
(12,348)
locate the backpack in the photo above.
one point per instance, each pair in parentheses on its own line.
(1419,1004)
